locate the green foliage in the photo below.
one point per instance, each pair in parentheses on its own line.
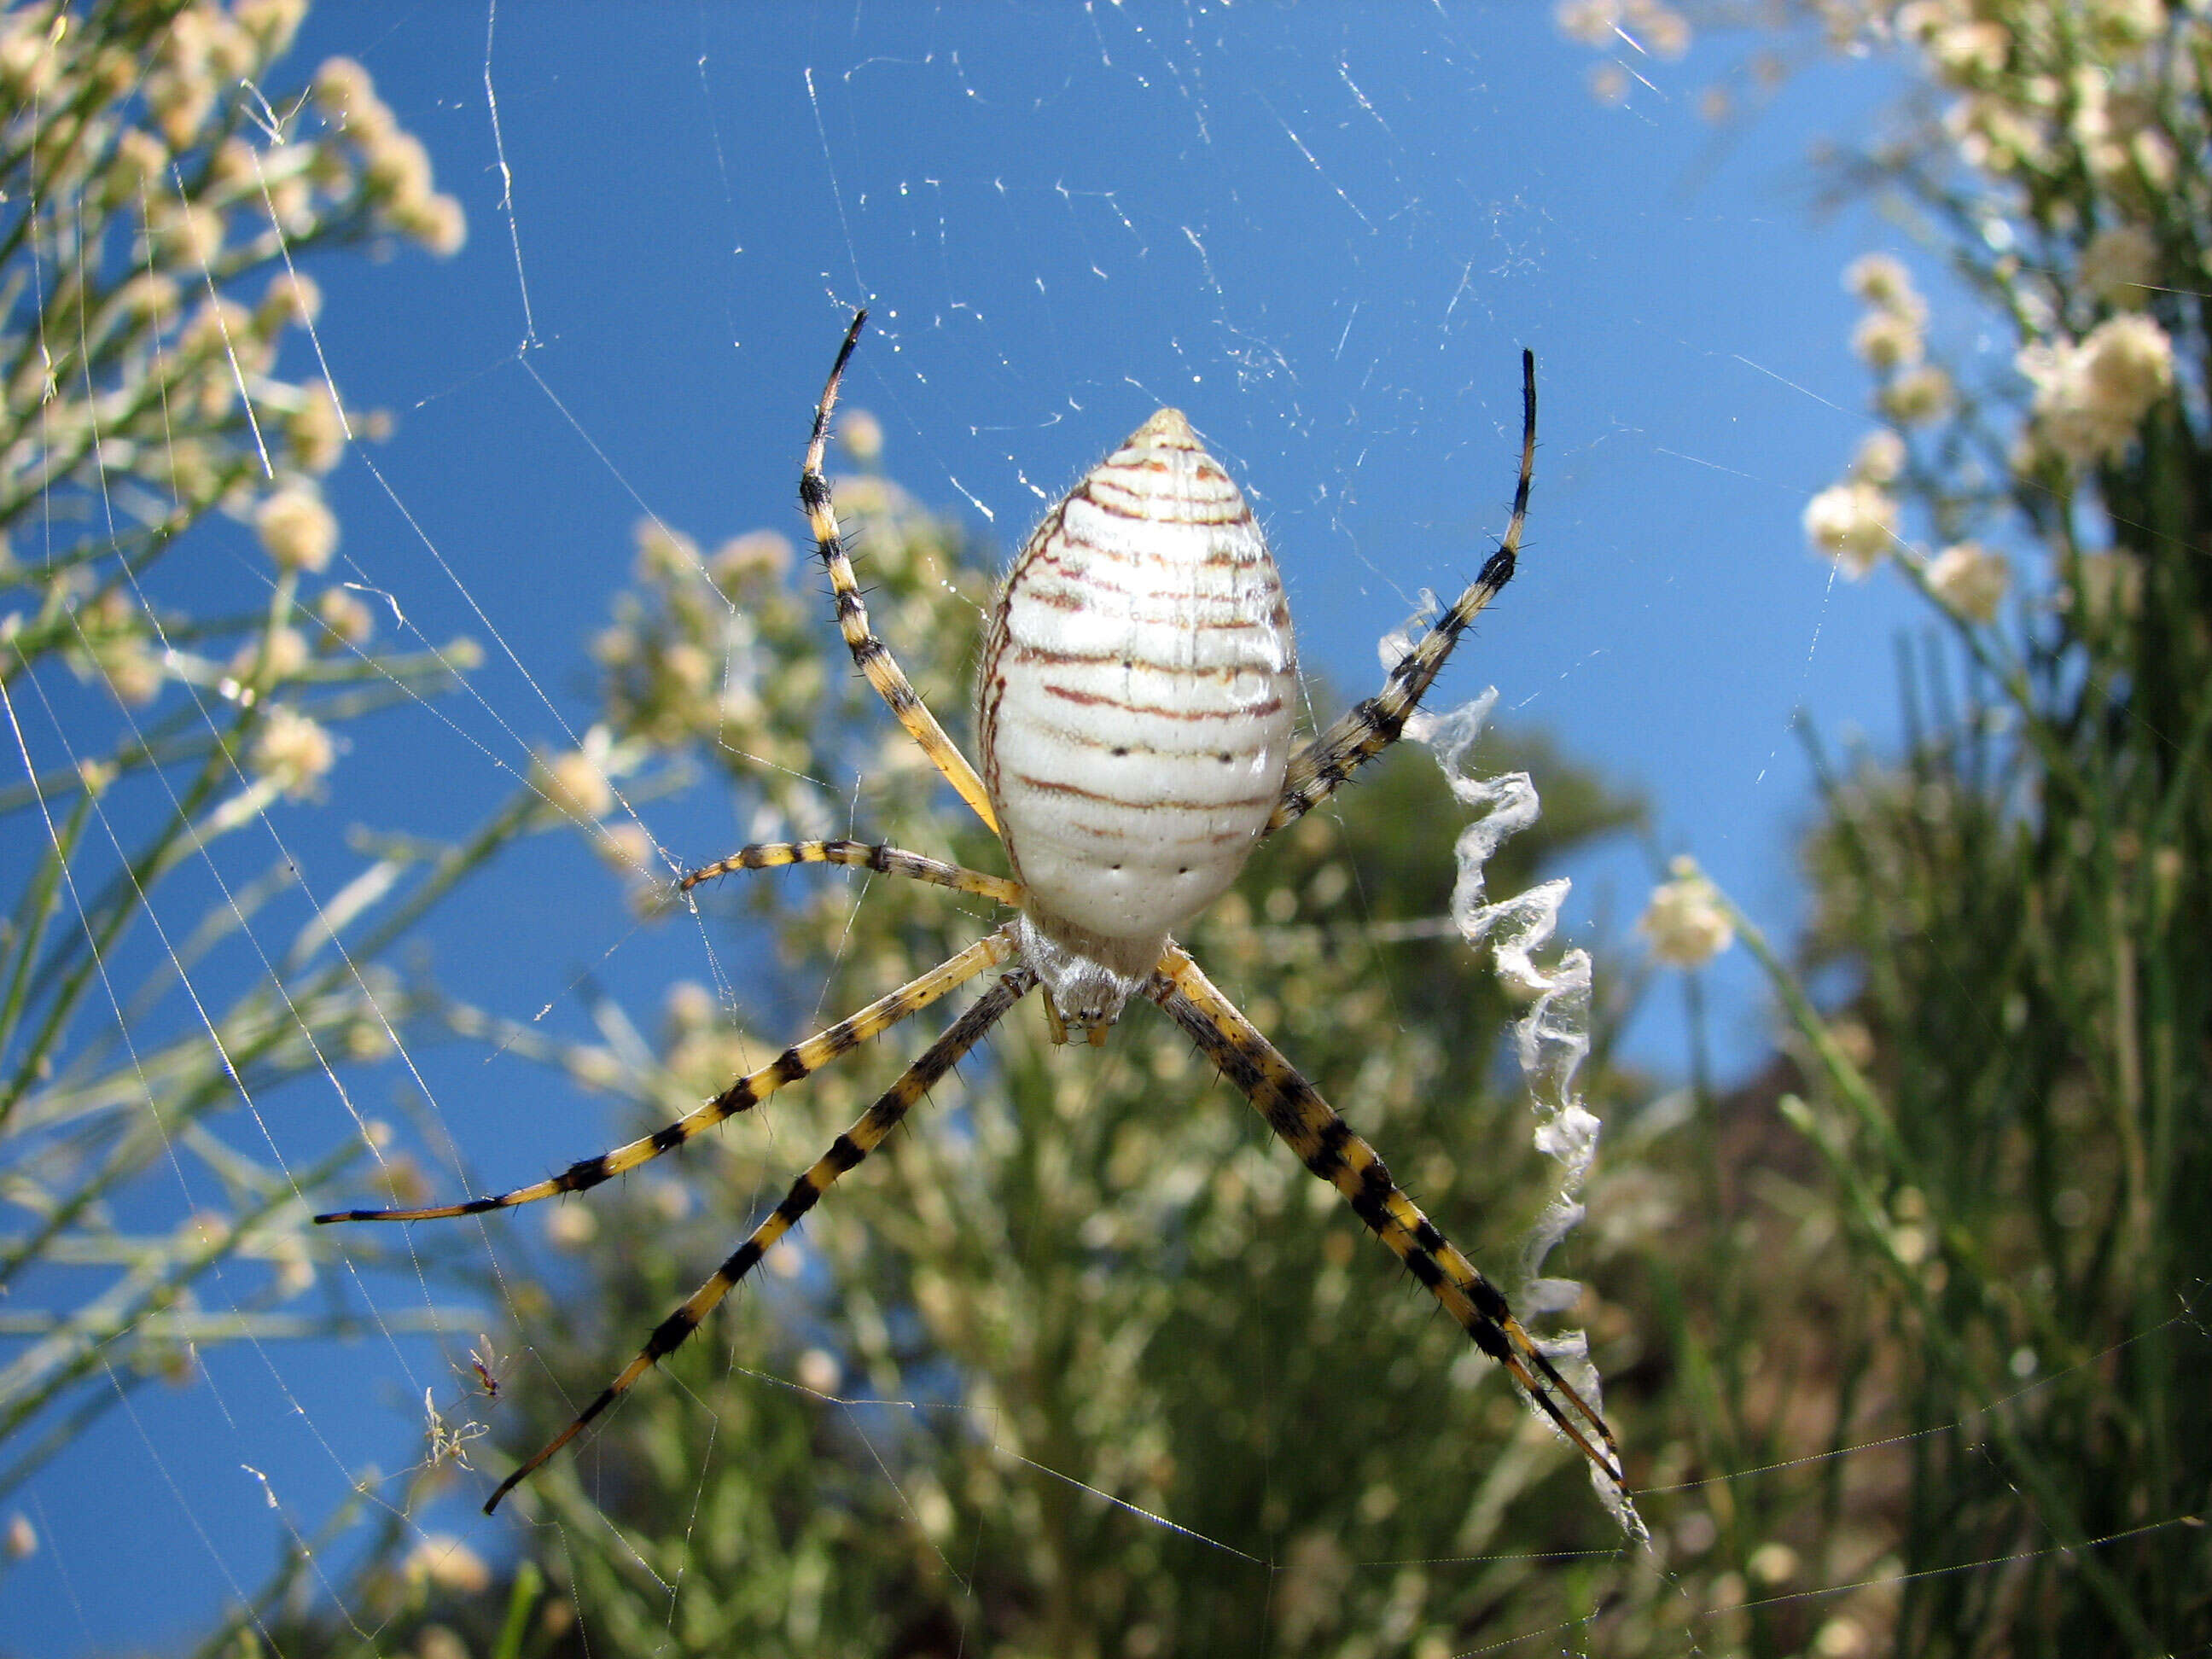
(2026,897)
(144,184)
(2009,1122)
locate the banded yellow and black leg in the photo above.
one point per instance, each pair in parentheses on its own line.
(794,1063)
(858,855)
(871,656)
(1323,766)
(1326,1145)
(844,1154)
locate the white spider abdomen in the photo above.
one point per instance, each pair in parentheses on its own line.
(1134,707)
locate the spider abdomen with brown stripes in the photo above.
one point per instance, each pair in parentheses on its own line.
(1134,713)
(1133,709)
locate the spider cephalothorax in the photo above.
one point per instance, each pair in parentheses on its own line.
(1134,716)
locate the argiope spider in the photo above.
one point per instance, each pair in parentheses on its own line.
(1134,712)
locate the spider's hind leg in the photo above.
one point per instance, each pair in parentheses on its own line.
(802,1058)
(1324,765)
(845,1153)
(871,656)
(1326,1144)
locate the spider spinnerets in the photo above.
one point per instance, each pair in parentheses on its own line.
(1134,717)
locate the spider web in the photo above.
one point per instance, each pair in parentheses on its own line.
(1323,236)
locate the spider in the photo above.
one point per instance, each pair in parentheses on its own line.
(1134,709)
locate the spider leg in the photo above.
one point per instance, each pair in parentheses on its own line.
(871,656)
(1295,1110)
(1323,766)
(776,854)
(845,1153)
(794,1063)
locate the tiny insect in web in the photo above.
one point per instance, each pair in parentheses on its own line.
(1133,712)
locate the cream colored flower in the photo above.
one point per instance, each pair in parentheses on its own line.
(437,222)
(397,169)
(1686,921)
(232,166)
(570,1226)
(1918,396)
(348,620)
(29,55)
(627,847)
(1970,580)
(316,430)
(280,656)
(1969,50)
(2090,396)
(185,234)
(141,163)
(691,669)
(1879,457)
(152,296)
(862,435)
(1773,1563)
(1588,22)
(270,23)
(2118,265)
(297,530)
(1659,29)
(575,783)
(346,95)
(1854,523)
(1879,279)
(1917,20)
(1995,135)
(2129,363)
(1888,340)
(762,552)
(2153,156)
(818,1370)
(664,555)
(444,1562)
(230,50)
(223,328)
(293,297)
(133,669)
(291,751)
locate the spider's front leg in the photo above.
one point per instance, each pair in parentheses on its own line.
(1326,764)
(1326,1145)
(870,654)
(861,855)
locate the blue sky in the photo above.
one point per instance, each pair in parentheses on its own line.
(1324,233)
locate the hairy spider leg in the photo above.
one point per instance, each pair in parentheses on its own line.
(1319,768)
(795,1062)
(859,855)
(871,655)
(845,1153)
(1326,1145)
